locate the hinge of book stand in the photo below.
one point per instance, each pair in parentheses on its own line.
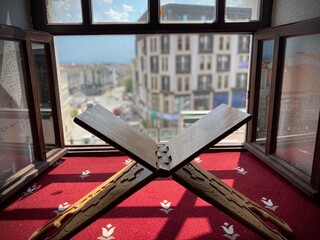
(163,160)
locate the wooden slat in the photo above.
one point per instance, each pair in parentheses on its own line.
(206,132)
(230,201)
(96,203)
(111,129)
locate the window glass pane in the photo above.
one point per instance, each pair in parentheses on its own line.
(64,11)
(179,11)
(123,11)
(300,98)
(242,11)
(16,142)
(265,82)
(150,80)
(41,67)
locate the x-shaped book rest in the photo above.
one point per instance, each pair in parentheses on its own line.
(163,160)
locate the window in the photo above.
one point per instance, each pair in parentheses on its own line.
(164,63)
(264,91)
(244,44)
(126,11)
(165,83)
(201,102)
(182,103)
(177,80)
(226,81)
(16,136)
(285,102)
(179,84)
(299,103)
(182,12)
(153,44)
(205,43)
(241,81)
(219,84)
(154,64)
(221,43)
(242,11)
(223,63)
(146,16)
(165,44)
(66,12)
(40,57)
(186,83)
(201,63)
(187,44)
(205,82)
(180,43)
(209,62)
(183,64)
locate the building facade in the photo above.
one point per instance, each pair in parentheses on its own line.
(189,72)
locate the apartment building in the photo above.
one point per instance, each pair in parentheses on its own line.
(176,72)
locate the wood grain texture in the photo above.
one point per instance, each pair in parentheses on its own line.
(236,205)
(96,203)
(206,132)
(111,129)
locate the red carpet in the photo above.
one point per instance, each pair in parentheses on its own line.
(163,209)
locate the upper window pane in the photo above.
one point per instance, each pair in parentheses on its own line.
(64,11)
(179,11)
(242,11)
(120,11)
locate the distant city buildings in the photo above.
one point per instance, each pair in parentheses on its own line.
(177,72)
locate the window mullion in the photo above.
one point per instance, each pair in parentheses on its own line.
(86,12)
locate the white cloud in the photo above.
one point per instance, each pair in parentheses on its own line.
(121,16)
(127,8)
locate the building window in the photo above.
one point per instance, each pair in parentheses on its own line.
(164,63)
(204,82)
(180,42)
(220,43)
(228,43)
(226,81)
(223,63)
(181,103)
(187,44)
(201,63)
(155,102)
(154,68)
(209,60)
(179,84)
(219,83)
(244,44)
(153,44)
(146,81)
(186,83)
(165,83)
(201,102)
(165,46)
(142,63)
(241,81)
(183,64)
(205,43)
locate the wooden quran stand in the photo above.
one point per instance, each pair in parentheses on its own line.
(154,160)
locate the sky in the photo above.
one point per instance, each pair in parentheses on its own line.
(95,49)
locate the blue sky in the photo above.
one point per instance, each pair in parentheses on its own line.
(95,49)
